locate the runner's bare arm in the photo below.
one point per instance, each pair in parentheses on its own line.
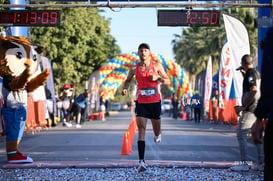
(163,74)
(128,80)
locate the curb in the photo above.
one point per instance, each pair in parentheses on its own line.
(117,164)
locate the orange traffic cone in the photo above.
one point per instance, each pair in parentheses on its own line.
(133,122)
(130,142)
(133,131)
(125,145)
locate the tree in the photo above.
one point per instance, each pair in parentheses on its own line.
(78,47)
(3,2)
(193,48)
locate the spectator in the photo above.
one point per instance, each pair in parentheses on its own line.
(79,108)
(102,108)
(250,97)
(264,109)
(67,98)
(107,103)
(215,108)
(197,103)
(175,105)
(187,107)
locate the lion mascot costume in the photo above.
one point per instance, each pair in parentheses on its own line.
(18,62)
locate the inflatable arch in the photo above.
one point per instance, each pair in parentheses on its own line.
(114,72)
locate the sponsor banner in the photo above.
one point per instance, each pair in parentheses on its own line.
(208,85)
(225,75)
(238,41)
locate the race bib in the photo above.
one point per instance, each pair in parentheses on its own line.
(147,92)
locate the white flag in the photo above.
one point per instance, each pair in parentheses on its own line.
(238,41)
(208,85)
(225,75)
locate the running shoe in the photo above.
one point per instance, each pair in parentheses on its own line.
(142,167)
(157,139)
(241,167)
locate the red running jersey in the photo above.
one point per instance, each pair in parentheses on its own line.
(147,91)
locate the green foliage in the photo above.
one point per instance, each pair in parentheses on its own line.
(193,48)
(3,2)
(78,47)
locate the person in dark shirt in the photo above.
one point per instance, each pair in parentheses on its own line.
(250,97)
(175,106)
(197,103)
(102,108)
(264,109)
(79,108)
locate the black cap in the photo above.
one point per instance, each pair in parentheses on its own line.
(144,45)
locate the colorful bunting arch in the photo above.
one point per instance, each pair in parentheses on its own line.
(114,72)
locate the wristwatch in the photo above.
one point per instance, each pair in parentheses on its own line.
(159,79)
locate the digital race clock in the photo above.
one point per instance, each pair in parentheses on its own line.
(30,18)
(188,18)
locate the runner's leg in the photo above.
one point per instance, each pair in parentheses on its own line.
(141,125)
(156,123)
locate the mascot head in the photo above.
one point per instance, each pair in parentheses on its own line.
(17,53)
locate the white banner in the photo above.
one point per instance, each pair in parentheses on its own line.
(238,41)
(225,75)
(39,93)
(208,85)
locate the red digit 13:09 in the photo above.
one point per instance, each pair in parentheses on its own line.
(35,18)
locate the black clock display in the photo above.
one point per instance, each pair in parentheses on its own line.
(30,18)
(188,18)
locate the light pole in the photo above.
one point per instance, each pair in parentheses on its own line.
(16,30)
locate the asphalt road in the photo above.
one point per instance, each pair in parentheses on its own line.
(102,141)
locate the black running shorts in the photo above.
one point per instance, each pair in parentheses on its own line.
(148,110)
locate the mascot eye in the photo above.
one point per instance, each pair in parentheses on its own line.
(19,55)
(35,58)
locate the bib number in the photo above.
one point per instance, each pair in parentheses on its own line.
(147,92)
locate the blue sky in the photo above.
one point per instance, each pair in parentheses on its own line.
(132,26)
